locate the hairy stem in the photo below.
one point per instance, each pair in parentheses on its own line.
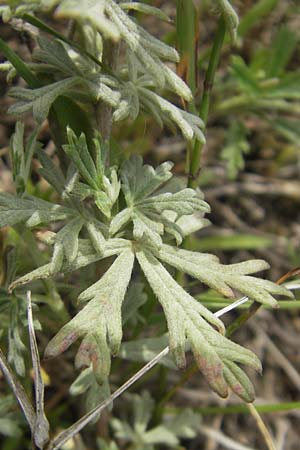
(104,111)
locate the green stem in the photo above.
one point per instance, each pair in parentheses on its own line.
(233,409)
(194,165)
(186,37)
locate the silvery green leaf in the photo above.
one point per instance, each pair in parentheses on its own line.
(104,445)
(68,237)
(21,155)
(6,403)
(82,191)
(87,383)
(101,91)
(148,107)
(112,186)
(41,99)
(174,299)
(129,106)
(123,110)
(131,34)
(17,155)
(223,278)
(172,228)
(143,406)
(78,152)
(149,214)
(147,9)
(188,319)
(189,124)
(192,223)
(83,382)
(86,255)
(230,16)
(183,202)
(145,41)
(185,424)
(9,427)
(132,66)
(144,350)
(144,227)
(160,435)
(92,11)
(99,323)
(92,40)
(238,381)
(167,434)
(96,237)
(57,258)
(16,347)
(121,219)
(41,272)
(175,83)
(141,180)
(97,394)
(53,52)
(51,172)
(134,299)
(103,203)
(30,210)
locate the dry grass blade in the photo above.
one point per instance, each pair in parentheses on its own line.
(18,391)
(262,427)
(41,426)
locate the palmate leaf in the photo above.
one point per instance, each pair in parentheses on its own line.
(166,112)
(184,425)
(104,189)
(86,383)
(216,356)
(41,99)
(145,209)
(141,180)
(184,202)
(92,11)
(30,210)
(86,255)
(66,243)
(224,278)
(21,155)
(54,53)
(99,323)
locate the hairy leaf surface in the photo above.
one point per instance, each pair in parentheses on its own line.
(99,323)
(188,319)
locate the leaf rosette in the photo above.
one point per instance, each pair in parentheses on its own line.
(154,214)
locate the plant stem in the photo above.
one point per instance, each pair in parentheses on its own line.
(104,111)
(187,32)
(240,409)
(195,164)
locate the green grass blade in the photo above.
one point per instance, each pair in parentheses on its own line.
(21,68)
(238,409)
(255,14)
